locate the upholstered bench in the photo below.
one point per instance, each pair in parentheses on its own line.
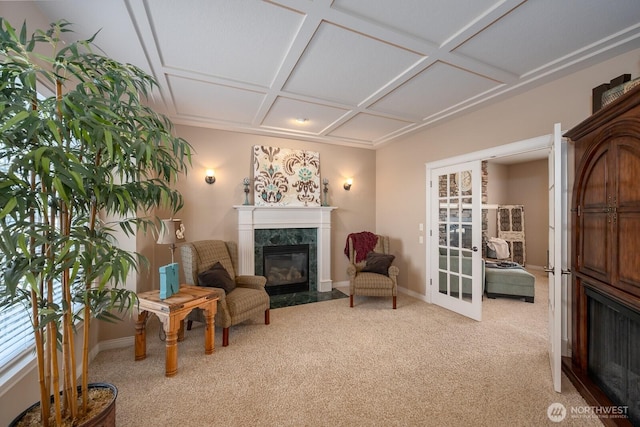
(509,282)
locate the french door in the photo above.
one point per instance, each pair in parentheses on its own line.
(455,238)
(558,259)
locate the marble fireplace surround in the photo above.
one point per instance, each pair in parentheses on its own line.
(252,217)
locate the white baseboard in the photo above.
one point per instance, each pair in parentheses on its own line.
(413,294)
(343,284)
(110,345)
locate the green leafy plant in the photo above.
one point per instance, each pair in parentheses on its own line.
(81,166)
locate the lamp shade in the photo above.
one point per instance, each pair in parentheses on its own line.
(171,232)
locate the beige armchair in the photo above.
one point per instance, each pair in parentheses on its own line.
(246,301)
(368,279)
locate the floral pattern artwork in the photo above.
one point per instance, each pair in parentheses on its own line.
(284,177)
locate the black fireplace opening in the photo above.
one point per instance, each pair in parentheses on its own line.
(286,268)
(614,351)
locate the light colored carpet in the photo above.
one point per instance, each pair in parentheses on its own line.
(325,364)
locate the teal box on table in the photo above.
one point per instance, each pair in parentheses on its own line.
(168,280)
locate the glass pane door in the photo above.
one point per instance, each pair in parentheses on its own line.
(456,198)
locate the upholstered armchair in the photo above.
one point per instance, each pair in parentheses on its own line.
(371,274)
(240,297)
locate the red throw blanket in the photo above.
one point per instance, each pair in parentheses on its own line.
(363,243)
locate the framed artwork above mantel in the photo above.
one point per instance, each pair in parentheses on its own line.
(286,177)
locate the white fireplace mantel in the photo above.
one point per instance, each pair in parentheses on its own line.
(252,217)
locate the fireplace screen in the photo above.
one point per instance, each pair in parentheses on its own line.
(614,352)
(286,268)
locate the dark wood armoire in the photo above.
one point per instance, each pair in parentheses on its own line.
(605,359)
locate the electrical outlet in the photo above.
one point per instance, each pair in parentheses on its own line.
(421,227)
(421,239)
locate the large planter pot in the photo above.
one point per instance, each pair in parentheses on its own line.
(106,417)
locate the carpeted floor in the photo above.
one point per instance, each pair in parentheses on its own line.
(325,364)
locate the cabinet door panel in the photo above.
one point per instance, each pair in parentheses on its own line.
(595,246)
(594,191)
(628,173)
(626,216)
(628,253)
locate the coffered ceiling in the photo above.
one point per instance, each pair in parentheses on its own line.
(353,72)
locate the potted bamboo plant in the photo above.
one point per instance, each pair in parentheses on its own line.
(76,168)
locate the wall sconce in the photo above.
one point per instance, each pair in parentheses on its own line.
(347,184)
(210,176)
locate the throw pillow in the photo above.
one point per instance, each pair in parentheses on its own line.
(378,263)
(217,277)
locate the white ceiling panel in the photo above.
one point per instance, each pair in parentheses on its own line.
(91,16)
(541,31)
(360,65)
(367,127)
(194,98)
(435,23)
(433,90)
(239,40)
(363,72)
(316,117)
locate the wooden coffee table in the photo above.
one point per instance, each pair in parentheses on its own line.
(171,312)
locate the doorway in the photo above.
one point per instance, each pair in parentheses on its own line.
(524,150)
(558,192)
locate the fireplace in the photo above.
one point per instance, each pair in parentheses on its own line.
(315,221)
(614,351)
(286,268)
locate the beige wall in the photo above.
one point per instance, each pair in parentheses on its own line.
(400,166)
(498,178)
(528,185)
(209,214)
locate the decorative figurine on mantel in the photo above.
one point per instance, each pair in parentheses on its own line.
(246,183)
(325,182)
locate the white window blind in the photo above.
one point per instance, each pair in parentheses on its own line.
(16,328)
(16,332)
